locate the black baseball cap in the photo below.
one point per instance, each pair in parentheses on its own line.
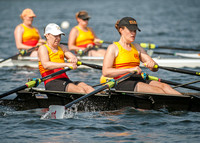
(129,22)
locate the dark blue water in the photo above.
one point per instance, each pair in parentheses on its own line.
(170,23)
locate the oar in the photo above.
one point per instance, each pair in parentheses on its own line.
(164,53)
(106,42)
(178,70)
(149,77)
(34,82)
(21,52)
(87,64)
(102,41)
(171,83)
(58,113)
(90,65)
(153,46)
(64,43)
(187,83)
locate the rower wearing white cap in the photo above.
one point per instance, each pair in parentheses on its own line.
(51,59)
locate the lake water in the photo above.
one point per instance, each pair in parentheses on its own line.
(171,23)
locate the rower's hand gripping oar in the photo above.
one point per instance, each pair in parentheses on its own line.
(33,83)
(21,52)
(178,70)
(57,112)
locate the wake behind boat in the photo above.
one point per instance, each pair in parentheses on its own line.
(111,100)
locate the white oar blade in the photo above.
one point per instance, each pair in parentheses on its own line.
(57,111)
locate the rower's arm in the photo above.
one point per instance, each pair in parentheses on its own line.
(145,58)
(68,55)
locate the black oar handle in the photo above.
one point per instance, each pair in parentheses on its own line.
(164,53)
(90,65)
(63,43)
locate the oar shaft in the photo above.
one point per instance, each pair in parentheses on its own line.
(164,53)
(55,74)
(180,70)
(22,52)
(153,46)
(107,42)
(185,86)
(13,91)
(90,65)
(186,83)
(9,58)
(172,83)
(63,43)
(174,48)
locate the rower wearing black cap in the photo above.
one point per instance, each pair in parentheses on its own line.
(124,57)
(82,38)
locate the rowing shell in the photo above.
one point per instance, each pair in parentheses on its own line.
(110,100)
(170,62)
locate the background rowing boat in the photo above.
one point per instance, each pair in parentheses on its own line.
(169,23)
(32,62)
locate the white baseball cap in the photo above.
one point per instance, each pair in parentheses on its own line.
(53,29)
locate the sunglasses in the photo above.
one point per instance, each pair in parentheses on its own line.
(86,19)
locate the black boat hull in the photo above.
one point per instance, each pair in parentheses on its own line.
(113,100)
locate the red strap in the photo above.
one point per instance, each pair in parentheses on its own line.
(63,75)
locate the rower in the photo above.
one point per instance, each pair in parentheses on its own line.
(26,35)
(123,57)
(83,39)
(51,60)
